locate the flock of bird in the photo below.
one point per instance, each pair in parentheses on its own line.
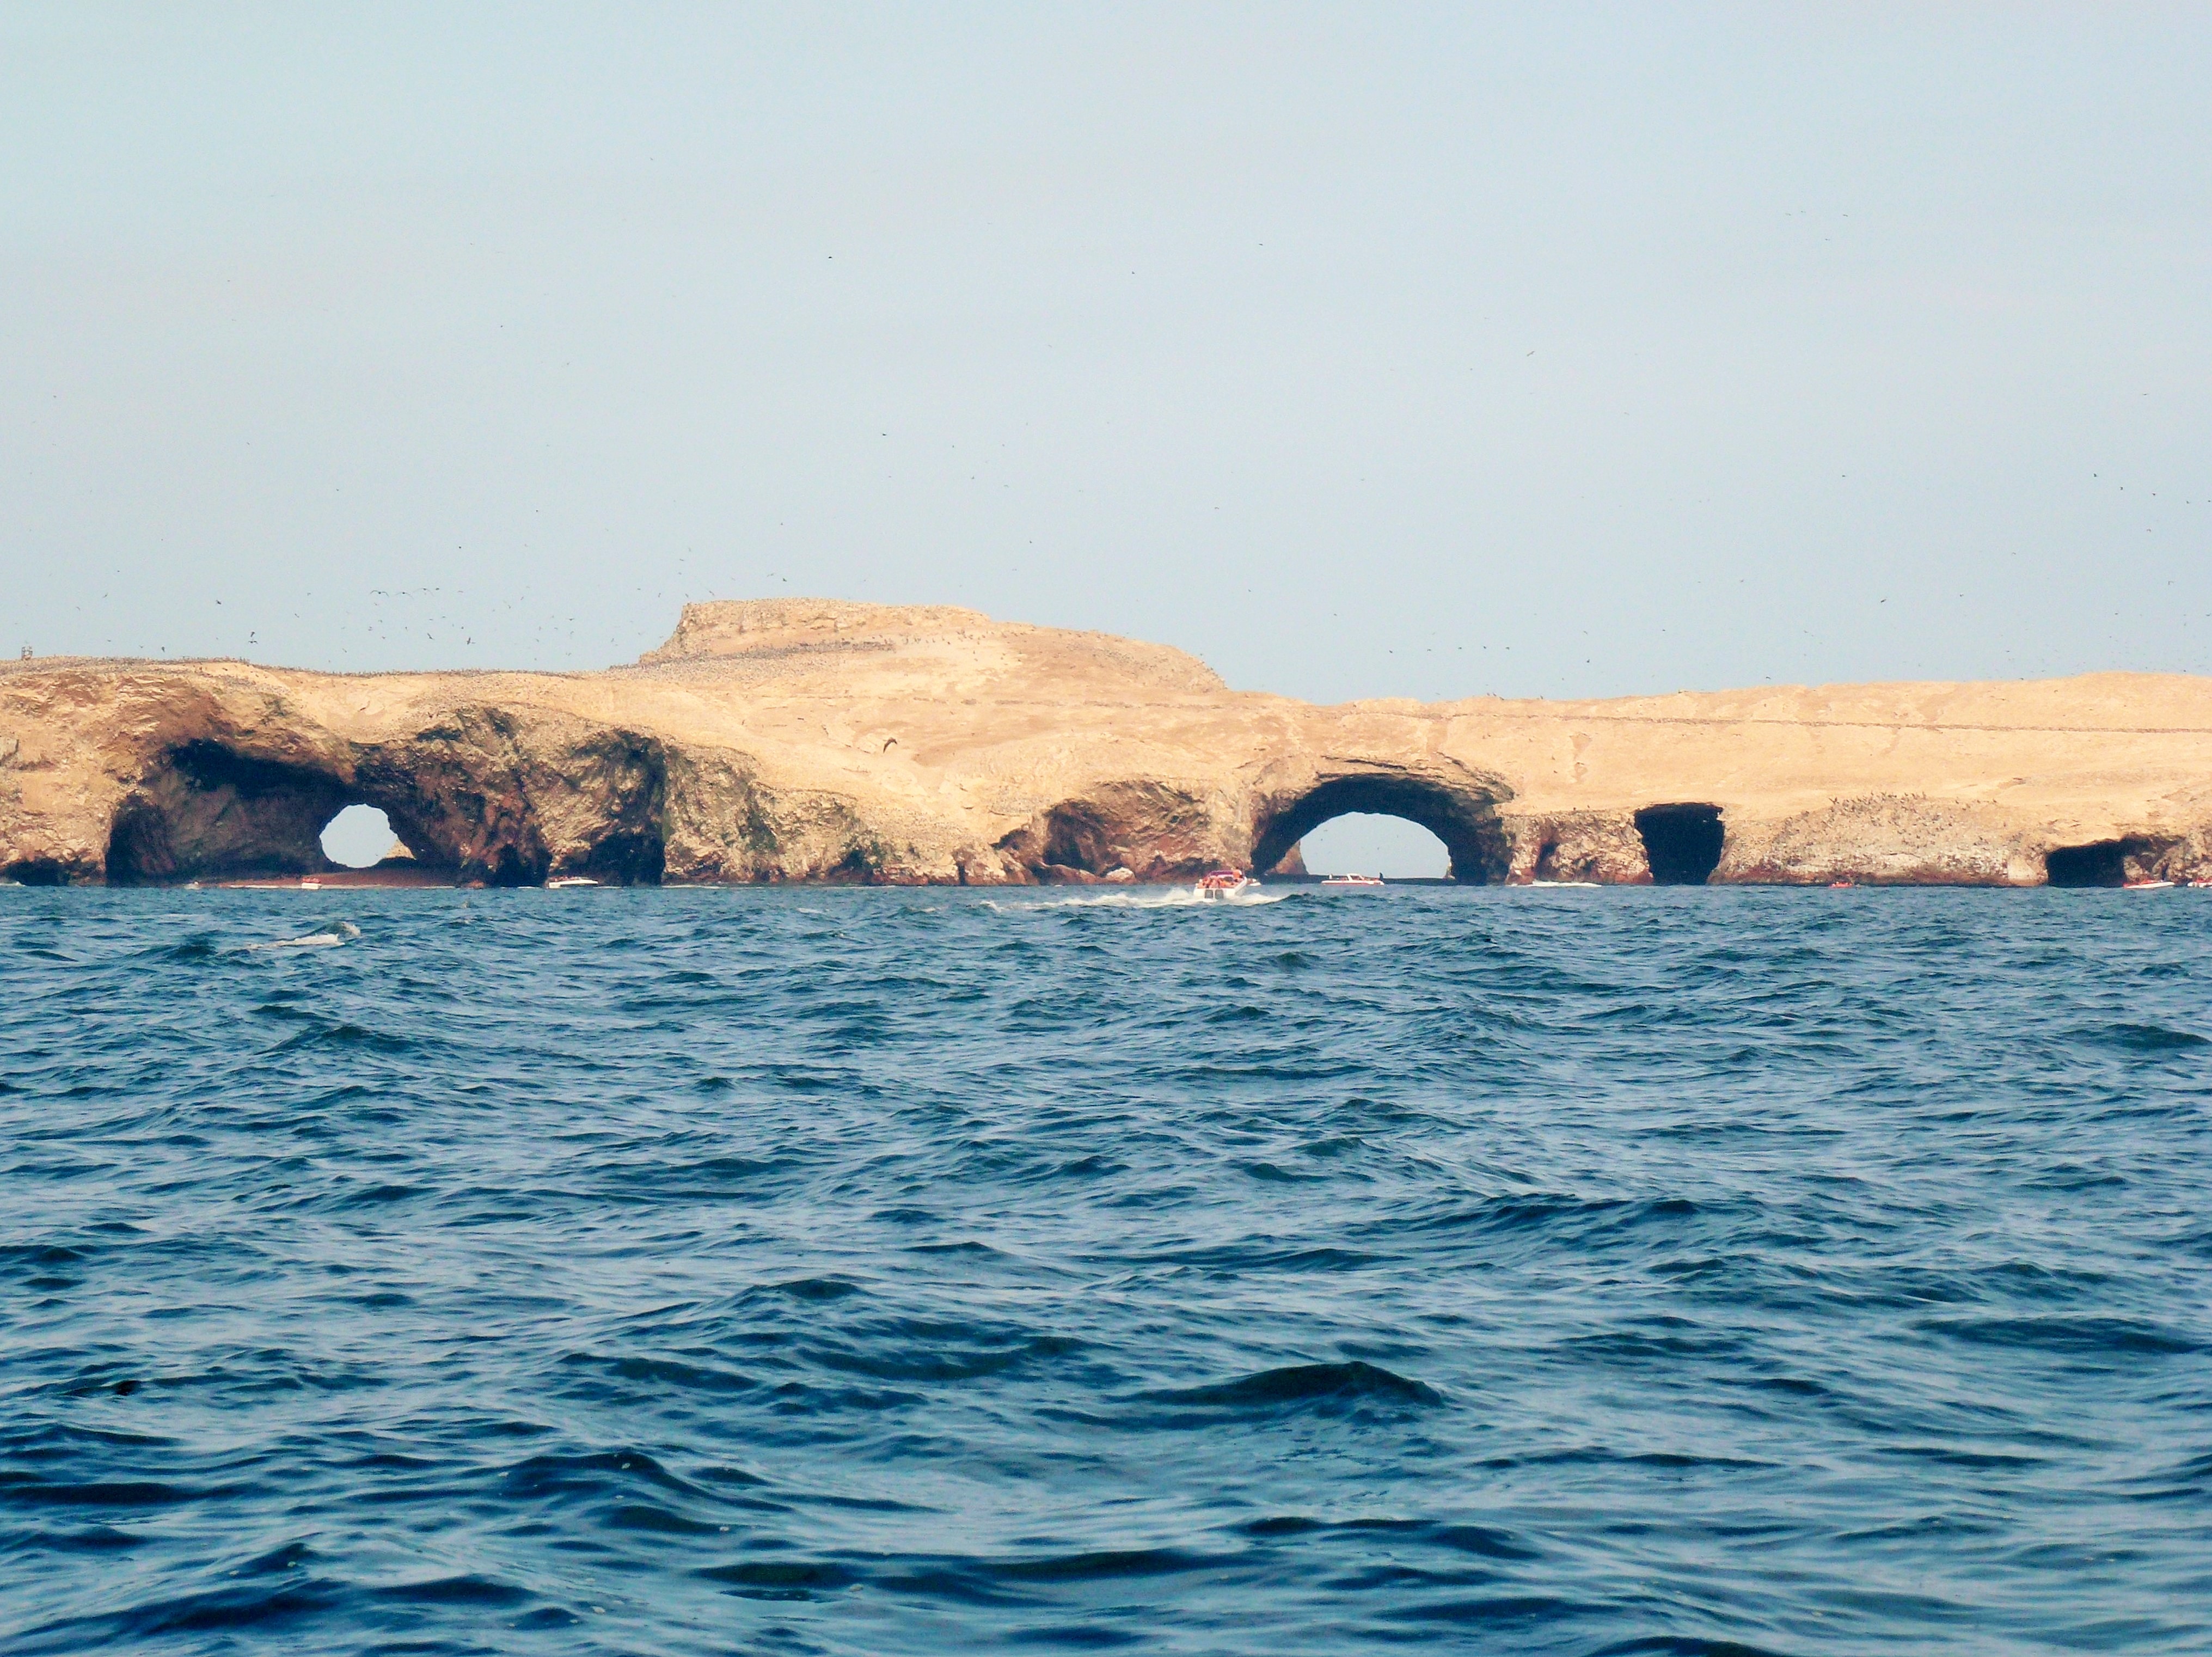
(397,622)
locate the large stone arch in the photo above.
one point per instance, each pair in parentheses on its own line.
(1462,812)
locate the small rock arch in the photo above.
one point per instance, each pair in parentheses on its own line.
(455,795)
(1463,816)
(206,808)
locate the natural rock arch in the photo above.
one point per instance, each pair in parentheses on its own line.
(206,808)
(463,796)
(1464,816)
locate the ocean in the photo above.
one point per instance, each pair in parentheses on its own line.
(871,1271)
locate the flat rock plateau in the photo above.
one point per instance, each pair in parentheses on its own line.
(809,740)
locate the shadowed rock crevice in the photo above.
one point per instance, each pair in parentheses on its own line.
(621,785)
(1124,830)
(1682,843)
(724,823)
(1599,847)
(2110,862)
(1464,819)
(628,859)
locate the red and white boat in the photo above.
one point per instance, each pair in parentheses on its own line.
(1225,883)
(1362,881)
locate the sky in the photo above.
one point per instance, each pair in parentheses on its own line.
(1397,351)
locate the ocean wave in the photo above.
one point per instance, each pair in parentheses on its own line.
(878,1271)
(1357,1381)
(2136,1038)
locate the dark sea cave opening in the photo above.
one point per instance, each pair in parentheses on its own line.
(2102,863)
(1682,843)
(639,858)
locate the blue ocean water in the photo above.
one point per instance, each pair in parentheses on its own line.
(873,1271)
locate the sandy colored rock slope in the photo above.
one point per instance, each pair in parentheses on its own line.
(796,739)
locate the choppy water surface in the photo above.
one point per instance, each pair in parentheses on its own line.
(874,1272)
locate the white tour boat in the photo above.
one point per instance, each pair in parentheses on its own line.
(1360,882)
(1225,883)
(560,881)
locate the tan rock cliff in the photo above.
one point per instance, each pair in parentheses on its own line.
(795,739)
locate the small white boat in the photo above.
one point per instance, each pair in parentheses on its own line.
(309,883)
(2146,885)
(561,880)
(1554,884)
(1224,884)
(1360,882)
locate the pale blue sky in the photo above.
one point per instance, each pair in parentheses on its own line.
(1410,350)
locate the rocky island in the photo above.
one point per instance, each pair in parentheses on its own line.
(802,740)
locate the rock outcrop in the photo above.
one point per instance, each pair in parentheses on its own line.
(806,739)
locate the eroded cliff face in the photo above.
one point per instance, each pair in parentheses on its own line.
(804,739)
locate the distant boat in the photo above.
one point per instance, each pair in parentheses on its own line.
(1561,883)
(560,881)
(309,883)
(1225,883)
(1357,881)
(2145,886)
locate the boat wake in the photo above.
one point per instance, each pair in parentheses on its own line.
(329,935)
(1181,897)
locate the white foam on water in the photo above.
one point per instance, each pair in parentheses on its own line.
(329,935)
(1180,897)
